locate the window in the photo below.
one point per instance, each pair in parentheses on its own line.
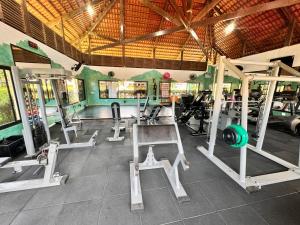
(178,89)
(108,89)
(122,89)
(72,90)
(164,90)
(47,88)
(192,88)
(9,112)
(126,89)
(140,87)
(81,90)
(227,87)
(62,92)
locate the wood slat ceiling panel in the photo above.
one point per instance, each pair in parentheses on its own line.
(110,25)
(12,14)
(50,37)
(225,42)
(260,32)
(36,28)
(261,27)
(59,43)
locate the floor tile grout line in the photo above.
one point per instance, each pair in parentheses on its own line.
(260,216)
(21,209)
(168,223)
(172,197)
(238,206)
(222,218)
(63,203)
(104,189)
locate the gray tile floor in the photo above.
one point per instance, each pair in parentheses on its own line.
(98,190)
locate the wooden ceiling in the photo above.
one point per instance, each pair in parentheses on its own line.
(190,30)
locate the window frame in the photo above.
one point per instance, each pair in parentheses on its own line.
(136,81)
(83,84)
(68,95)
(160,91)
(17,121)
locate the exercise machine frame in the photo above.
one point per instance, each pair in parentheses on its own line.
(34,76)
(142,137)
(50,178)
(247,182)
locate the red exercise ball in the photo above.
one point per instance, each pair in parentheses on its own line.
(167,76)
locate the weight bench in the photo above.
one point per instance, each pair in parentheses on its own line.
(153,116)
(152,135)
(116,115)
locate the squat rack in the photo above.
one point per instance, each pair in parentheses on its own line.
(247,182)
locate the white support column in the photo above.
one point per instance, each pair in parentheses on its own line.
(217,106)
(173,108)
(138,118)
(266,112)
(28,139)
(43,109)
(244,124)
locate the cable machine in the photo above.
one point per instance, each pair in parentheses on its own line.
(34,76)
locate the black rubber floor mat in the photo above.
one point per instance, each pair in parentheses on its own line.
(91,131)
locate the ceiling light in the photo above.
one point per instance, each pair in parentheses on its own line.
(90,10)
(230,27)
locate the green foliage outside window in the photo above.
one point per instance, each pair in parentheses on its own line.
(7,114)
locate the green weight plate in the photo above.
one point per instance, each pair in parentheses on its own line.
(242,136)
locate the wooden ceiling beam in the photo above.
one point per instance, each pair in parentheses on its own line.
(189,9)
(61,18)
(160,11)
(104,37)
(96,22)
(69,15)
(290,33)
(183,20)
(212,20)
(206,9)
(42,16)
(291,23)
(122,28)
(160,24)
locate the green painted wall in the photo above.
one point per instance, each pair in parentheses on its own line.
(92,77)
(6,58)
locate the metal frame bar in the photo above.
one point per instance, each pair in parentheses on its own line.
(50,177)
(66,130)
(151,163)
(255,182)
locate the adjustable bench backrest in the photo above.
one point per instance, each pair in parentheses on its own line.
(115,110)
